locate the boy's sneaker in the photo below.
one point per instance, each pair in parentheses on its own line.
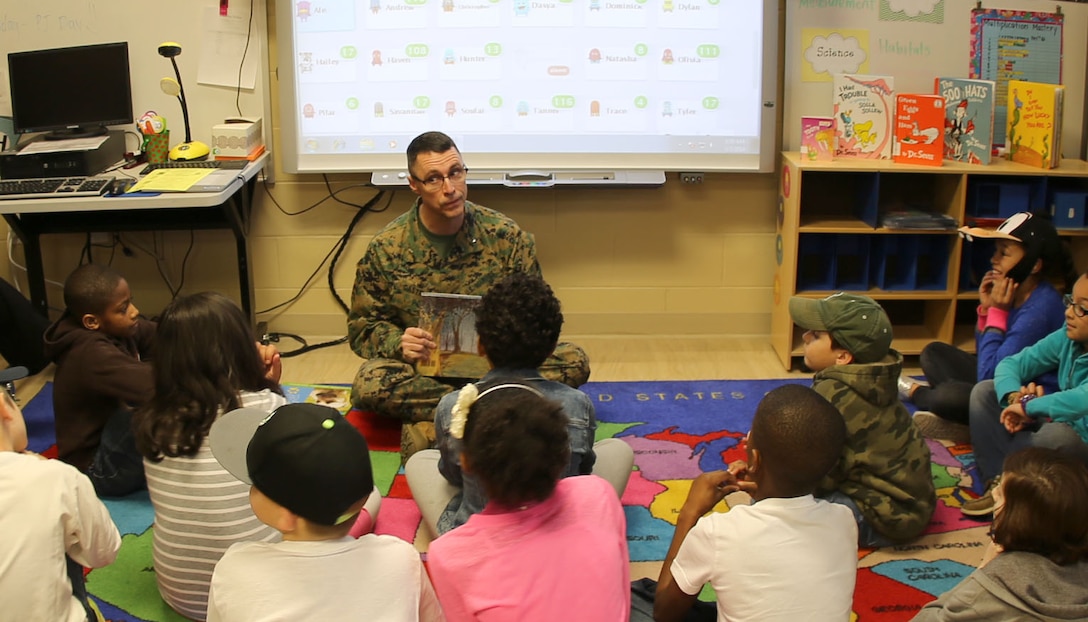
(984,505)
(906,384)
(933,426)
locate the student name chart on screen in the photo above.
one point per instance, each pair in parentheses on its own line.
(631,76)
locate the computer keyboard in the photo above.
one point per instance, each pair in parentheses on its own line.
(226,164)
(53,187)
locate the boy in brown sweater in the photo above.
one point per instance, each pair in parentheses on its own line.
(102,350)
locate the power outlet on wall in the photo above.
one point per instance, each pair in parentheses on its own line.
(102,239)
(691,178)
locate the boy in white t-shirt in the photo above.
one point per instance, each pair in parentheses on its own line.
(52,525)
(310,474)
(788,556)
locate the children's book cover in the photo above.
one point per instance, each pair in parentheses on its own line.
(818,138)
(863,107)
(919,129)
(451,320)
(969,118)
(1034,129)
(334,396)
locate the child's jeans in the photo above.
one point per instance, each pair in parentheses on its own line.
(868,537)
(993,443)
(117,468)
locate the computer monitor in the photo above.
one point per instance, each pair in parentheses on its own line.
(71,92)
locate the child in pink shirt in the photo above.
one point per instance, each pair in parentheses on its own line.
(542,549)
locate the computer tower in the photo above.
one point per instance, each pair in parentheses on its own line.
(64,163)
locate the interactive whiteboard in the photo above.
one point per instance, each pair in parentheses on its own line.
(547,85)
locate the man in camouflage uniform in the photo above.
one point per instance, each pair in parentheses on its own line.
(442,244)
(884,473)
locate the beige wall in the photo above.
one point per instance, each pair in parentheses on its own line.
(674,260)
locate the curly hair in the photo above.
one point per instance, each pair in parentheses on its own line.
(429,142)
(1046,506)
(89,289)
(205,354)
(519,321)
(516,443)
(800,435)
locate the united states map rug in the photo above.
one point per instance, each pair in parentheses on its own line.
(677,430)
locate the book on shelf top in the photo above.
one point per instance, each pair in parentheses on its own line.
(1034,129)
(863,112)
(969,118)
(919,129)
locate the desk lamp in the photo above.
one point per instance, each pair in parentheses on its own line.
(190,149)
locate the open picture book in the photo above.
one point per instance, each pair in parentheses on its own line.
(451,320)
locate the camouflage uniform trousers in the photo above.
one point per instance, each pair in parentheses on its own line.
(393,389)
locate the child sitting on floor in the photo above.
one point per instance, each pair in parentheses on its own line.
(884,473)
(1011,412)
(208,363)
(52,525)
(798,554)
(1018,306)
(1040,539)
(101,347)
(544,547)
(311,475)
(518,323)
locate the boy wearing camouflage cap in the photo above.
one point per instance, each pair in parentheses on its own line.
(884,474)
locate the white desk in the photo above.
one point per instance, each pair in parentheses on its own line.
(229,209)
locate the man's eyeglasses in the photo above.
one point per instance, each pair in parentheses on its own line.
(1078,310)
(436,182)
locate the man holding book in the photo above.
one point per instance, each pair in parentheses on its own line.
(445,244)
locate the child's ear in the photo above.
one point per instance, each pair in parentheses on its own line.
(285,520)
(755,462)
(90,321)
(843,357)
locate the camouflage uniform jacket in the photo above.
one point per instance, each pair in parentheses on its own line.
(400,263)
(885,466)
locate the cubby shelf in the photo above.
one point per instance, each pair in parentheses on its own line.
(830,238)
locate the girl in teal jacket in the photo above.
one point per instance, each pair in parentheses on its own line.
(1011,412)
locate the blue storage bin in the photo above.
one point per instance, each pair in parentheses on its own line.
(1069,208)
(815,262)
(999,199)
(852,262)
(895,259)
(933,254)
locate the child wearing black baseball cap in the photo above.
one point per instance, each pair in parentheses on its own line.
(883,475)
(310,474)
(1019,303)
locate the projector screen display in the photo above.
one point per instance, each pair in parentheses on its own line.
(542,85)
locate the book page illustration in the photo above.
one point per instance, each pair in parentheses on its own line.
(451,320)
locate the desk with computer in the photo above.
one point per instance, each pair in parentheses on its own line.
(81,187)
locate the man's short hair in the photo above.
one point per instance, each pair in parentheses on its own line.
(1046,506)
(800,436)
(519,321)
(90,288)
(429,142)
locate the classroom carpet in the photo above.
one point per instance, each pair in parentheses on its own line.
(677,429)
